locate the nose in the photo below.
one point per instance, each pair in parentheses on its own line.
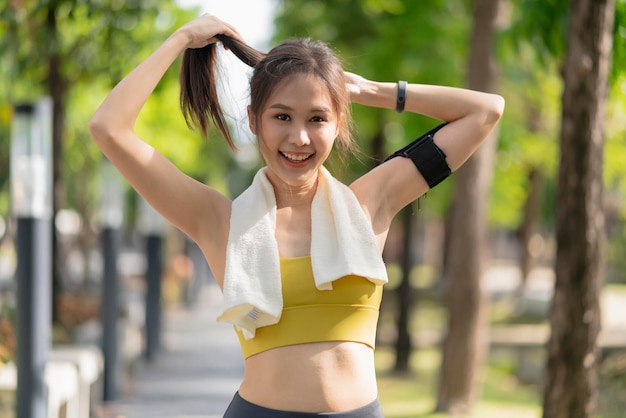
(299,136)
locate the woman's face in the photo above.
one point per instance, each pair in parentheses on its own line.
(296,130)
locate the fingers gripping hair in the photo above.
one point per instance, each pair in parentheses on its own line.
(198,88)
(246,54)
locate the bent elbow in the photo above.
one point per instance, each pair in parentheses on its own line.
(103,130)
(495,109)
(98,129)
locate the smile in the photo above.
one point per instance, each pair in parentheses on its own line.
(296,158)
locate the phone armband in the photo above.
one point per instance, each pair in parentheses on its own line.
(427,157)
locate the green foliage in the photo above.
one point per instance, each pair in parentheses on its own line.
(531,50)
(387,40)
(161,123)
(615,153)
(428,42)
(86,37)
(5,121)
(544,25)
(97,42)
(528,137)
(615,181)
(84,40)
(619,41)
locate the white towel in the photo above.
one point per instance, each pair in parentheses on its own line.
(342,243)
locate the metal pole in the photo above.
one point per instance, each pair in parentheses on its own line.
(154,255)
(112,216)
(109,310)
(31,156)
(33,315)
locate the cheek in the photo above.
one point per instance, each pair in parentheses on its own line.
(325,146)
(330,133)
(267,128)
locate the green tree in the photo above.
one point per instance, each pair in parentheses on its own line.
(579,41)
(573,357)
(50,45)
(465,345)
(75,52)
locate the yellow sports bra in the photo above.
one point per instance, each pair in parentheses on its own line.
(348,312)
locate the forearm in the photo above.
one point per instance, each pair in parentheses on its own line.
(121,107)
(444,103)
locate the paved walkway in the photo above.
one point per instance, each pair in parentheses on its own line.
(197,371)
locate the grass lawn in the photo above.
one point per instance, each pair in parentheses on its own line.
(501,395)
(413,395)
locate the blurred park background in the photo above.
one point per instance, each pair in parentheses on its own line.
(468,324)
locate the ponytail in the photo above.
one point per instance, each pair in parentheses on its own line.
(198,93)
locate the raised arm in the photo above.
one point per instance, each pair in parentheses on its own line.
(470,117)
(191,206)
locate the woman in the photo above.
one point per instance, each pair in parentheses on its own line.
(308,342)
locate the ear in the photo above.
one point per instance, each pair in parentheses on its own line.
(251,121)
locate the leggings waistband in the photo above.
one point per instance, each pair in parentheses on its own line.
(240,408)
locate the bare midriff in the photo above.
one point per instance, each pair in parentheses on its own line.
(314,377)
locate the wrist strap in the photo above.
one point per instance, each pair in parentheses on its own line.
(401,96)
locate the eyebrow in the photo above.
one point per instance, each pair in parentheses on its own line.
(285,107)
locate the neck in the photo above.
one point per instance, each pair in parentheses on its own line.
(293,195)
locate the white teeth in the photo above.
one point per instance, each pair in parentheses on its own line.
(296,157)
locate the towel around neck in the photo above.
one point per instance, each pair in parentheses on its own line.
(342,243)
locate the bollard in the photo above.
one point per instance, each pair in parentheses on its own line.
(152,225)
(31,198)
(112,215)
(33,314)
(109,312)
(154,271)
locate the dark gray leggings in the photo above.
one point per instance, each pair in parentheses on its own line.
(240,408)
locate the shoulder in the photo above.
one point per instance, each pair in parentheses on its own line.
(386,189)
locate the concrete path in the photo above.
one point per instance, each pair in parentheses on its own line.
(197,371)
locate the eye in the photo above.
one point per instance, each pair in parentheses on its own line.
(318,119)
(283,117)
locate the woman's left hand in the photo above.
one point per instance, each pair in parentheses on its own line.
(354,84)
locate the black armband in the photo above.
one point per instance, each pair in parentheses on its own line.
(429,159)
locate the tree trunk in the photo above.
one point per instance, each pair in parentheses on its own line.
(404,294)
(465,345)
(529,223)
(57,88)
(532,205)
(571,379)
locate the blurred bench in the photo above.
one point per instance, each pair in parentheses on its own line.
(529,343)
(61,379)
(89,365)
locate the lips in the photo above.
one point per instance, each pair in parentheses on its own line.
(295,157)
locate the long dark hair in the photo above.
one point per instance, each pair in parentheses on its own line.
(198,92)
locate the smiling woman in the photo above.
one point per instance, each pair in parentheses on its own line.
(297,254)
(296,131)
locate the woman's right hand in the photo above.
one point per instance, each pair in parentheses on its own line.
(201,31)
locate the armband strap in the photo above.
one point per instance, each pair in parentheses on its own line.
(429,159)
